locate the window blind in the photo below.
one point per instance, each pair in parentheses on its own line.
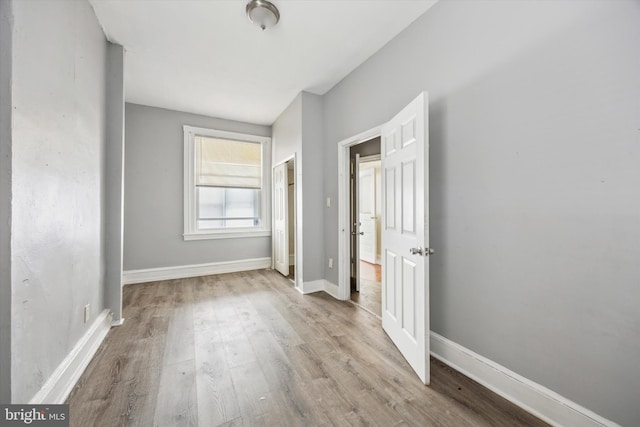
(228,164)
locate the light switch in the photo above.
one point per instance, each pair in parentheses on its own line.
(328,202)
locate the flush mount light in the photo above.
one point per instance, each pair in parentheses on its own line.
(263,13)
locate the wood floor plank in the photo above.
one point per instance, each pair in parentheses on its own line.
(247,349)
(251,389)
(180,333)
(177,403)
(217,402)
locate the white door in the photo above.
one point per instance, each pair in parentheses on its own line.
(405,234)
(367,214)
(281,218)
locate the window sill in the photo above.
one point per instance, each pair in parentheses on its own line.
(227,234)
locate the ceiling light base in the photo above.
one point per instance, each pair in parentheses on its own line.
(263,13)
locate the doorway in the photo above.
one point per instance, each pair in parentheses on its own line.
(284,218)
(291,213)
(365,214)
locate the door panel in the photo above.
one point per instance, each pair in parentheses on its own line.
(390,197)
(388,292)
(405,235)
(409,297)
(408,197)
(281,218)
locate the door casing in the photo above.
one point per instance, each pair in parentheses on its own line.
(344,208)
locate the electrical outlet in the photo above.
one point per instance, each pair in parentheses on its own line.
(330,262)
(87,313)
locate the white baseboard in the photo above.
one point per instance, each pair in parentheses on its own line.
(118,322)
(331,289)
(57,388)
(184,271)
(318,286)
(530,396)
(312,286)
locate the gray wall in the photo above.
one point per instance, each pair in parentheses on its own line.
(113,224)
(287,132)
(153,206)
(286,142)
(312,186)
(6,27)
(535,178)
(59,60)
(299,130)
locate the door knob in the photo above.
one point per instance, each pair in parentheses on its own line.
(420,251)
(354,233)
(416,251)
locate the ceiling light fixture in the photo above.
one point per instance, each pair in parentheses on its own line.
(263,13)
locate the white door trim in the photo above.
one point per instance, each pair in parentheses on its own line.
(297,221)
(344,242)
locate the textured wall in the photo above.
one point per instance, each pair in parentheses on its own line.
(113,223)
(59,62)
(6,28)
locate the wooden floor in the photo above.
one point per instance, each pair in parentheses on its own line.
(370,271)
(370,294)
(249,349)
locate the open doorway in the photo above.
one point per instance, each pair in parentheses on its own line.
(291,213)
(284,219)
(366,207)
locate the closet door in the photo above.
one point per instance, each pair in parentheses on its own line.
(281,218)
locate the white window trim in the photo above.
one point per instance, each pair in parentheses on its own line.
(190,230)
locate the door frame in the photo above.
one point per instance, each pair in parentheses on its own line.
(344,240)
(297,248)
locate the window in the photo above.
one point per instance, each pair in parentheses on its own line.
(226,184)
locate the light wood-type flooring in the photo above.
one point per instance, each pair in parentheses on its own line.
(370,271)
(369,297)
(248,349)
(370,294)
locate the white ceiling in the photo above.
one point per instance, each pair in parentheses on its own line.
(204,56)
